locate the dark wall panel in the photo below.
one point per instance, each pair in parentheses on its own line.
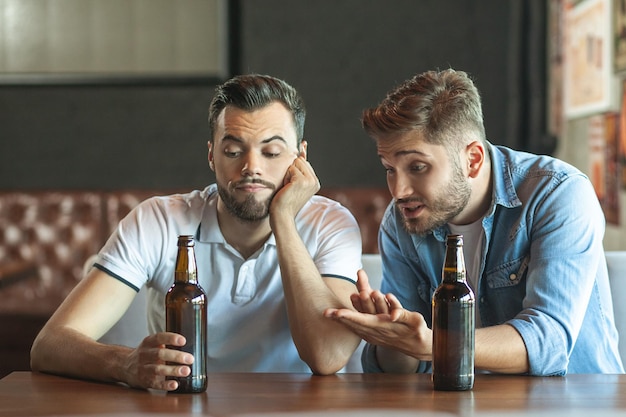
(104,137)
(343,55)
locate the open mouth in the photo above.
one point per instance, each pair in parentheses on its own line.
(411,210)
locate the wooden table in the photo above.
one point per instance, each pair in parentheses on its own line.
(33,394)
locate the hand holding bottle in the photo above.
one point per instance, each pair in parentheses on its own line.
(149,365)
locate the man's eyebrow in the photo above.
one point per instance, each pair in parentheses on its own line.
(273,138)
(232,138)
(410,152)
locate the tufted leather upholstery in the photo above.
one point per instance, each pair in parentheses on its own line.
(368,207)
(46,236)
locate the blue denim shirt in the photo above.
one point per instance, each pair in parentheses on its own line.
(543,270)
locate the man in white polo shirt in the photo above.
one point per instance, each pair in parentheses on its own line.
(272,256)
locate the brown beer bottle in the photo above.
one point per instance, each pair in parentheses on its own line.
(453,323)
(185,314)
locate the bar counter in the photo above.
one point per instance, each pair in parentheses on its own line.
(282,394)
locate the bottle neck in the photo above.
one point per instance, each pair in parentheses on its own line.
(454,265)
(186,270)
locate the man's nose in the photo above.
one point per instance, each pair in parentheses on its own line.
(401,187)
(251,165)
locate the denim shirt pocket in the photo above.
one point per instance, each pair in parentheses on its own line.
(506,289)
(507,274)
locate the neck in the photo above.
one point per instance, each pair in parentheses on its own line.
(480,199)
(246,237)
(485,192)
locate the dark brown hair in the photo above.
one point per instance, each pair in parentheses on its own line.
(444,106)
(255,91)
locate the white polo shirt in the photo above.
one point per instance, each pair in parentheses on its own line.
(247,322)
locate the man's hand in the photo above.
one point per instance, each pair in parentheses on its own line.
(151,362)
(381,320)
(366,299)
(299,185)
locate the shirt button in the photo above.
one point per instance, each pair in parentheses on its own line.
(512,277)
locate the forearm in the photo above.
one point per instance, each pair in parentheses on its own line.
(501,349)
(67,352)
(497,349)
(323,344)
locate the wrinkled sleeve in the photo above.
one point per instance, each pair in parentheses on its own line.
(566,247)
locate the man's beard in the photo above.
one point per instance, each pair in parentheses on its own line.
(249,210)
(449,201)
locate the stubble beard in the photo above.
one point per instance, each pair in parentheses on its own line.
(447,204)
(249,210)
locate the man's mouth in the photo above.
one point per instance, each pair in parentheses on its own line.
(411,210)
(252,186)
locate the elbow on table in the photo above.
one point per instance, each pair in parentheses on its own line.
(324,370)
(36,354)
(42,351)
(326,366)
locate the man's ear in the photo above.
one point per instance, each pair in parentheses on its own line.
(475,158)
(211,164)
(303,147)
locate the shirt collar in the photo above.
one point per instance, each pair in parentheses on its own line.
(504,193)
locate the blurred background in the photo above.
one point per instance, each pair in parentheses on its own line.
(104,103)
(146,128)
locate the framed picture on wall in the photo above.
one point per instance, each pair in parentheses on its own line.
(74,41)
(619,34)
(603,162)
(621,149)
(588,64)
(555,65)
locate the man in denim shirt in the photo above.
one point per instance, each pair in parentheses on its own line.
(533,233)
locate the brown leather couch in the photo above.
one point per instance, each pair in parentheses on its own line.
(46,237)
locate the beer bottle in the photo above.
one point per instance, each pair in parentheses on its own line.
(453,312)
(185,314)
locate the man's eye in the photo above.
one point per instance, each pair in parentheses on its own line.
(232,154)
(272,154)
(418,168)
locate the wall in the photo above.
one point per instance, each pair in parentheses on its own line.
(573,147)
(103,137)
(343,56)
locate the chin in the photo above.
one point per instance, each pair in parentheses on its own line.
(421,228)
